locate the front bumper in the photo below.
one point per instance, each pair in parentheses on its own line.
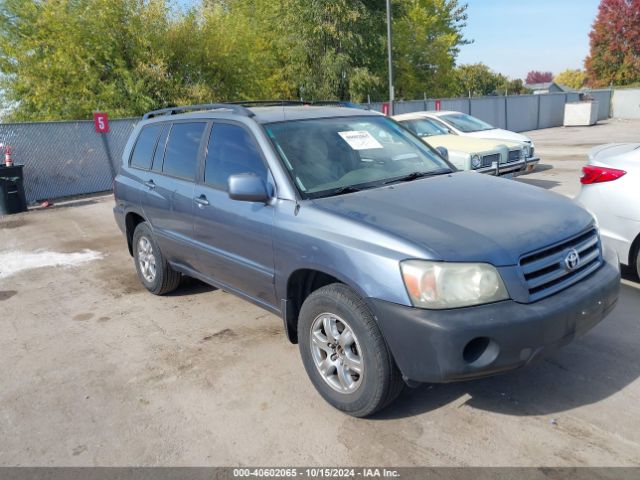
(518,167)
(487,170)
(448,345)
(531,164)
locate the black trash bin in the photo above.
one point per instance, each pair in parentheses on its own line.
(12,199)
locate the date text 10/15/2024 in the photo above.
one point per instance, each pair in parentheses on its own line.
(316,472)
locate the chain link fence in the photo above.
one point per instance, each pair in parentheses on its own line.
(62,159)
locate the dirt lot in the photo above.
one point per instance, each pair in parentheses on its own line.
(96,371)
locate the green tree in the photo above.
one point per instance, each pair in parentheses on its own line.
(512,87)
(477,79)
(63,59)
(427,37)
(574,79)
(615,44)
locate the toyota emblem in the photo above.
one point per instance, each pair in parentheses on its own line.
(572,260)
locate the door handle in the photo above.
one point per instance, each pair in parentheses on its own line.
(201,201)
(150,184)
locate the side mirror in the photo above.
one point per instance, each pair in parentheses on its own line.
(444,153)
(247,187)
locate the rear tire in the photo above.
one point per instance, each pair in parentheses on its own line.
(344,352)
(154,271)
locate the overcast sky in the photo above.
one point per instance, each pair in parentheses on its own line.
(516,36)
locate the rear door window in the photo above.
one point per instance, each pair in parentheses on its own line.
(181,153)
(145,147)
(232,150)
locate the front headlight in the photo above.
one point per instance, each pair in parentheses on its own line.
(475,161)
(439,285)
(524,153)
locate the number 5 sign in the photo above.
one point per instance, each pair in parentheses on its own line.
(101,122)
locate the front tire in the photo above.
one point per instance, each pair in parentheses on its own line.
(344,353)
(154,271)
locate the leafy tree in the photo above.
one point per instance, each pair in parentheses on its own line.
(514,87)
(333,47)
(427,37)
(615,44)
(63,59)
(535,76)
(477,80)
(574,79)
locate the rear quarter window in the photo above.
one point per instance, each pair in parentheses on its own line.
(145,146)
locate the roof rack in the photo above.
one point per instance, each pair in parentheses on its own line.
(269,103)
(235,108)
(309,103)
(338,103)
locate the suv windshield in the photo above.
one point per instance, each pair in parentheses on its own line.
(330,156)
(466,123)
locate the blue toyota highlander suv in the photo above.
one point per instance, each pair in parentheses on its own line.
(386,264)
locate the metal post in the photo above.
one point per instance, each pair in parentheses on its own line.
(506,114)
(107,150)
(390,52)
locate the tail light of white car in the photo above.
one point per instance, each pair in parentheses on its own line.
(594,174)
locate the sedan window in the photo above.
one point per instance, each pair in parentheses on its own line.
(466,123)
(424,127)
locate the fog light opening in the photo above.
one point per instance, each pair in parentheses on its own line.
(480,352)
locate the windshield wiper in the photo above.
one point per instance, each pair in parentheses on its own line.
(345,189)
(415,175)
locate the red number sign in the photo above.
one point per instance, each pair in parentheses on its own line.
(101,122)
(438,105)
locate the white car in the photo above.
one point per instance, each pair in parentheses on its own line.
(495,157)
(610,191)
(460,123)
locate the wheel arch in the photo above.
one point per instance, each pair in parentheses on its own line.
(300,284)
(634,251)
(131,221)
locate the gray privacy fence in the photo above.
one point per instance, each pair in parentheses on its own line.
(69,158)
(518,113)
(626,103)
(66,158)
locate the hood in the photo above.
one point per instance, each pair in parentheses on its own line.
(464,216)
(467,144)
(500,134)
(612,153)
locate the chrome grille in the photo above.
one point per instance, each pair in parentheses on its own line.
(546,272)
(487,160)
(514,155)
